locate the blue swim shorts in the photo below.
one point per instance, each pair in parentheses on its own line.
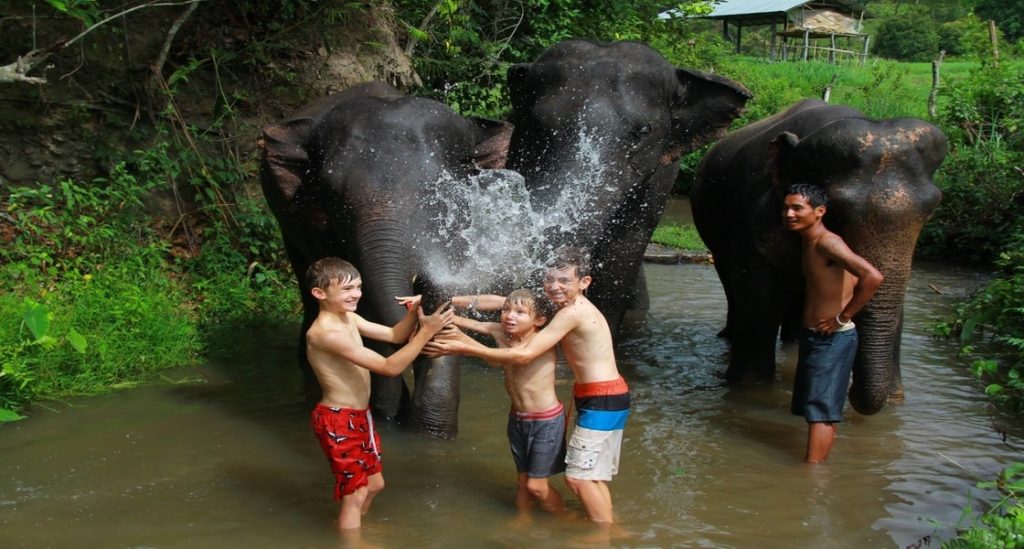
(823,375)
(537,441)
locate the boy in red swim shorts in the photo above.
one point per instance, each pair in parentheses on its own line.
(342,365)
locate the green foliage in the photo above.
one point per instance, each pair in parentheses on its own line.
(463,48)
(967,36)
(87,302)
(86,11)
(981,179)
(910,37)
(1003,524)
(684,237)
(1008,14)
(997,312)
(93,297)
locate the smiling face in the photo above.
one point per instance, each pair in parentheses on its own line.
(563,285)
(341,296)
(798,214)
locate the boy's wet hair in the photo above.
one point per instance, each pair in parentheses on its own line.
(530,299)
(569,256)
(325,270)
(815,194)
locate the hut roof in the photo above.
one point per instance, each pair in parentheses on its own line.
(823,23)
(766,12)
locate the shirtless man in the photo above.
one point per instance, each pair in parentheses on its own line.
(536,423)
(601,395)
(342,421)
(839,284)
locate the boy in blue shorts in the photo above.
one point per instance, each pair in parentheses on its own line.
(536,422)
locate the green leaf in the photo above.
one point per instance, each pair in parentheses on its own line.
(77,340)
(9,415)
(37,318)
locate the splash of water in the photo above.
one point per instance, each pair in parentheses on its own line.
(486,234)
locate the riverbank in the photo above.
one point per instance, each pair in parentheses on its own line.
(667,255)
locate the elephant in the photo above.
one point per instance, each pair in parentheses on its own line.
(878,177)
(348,176)
(599,130)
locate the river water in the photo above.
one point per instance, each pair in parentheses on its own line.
(221,455)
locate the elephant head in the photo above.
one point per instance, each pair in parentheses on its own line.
(350,176)
(599,130)
(878,176)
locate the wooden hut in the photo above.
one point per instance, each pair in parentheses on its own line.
(800,29)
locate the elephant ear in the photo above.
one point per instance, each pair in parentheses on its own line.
(703,107)
(285,159)
(493,137)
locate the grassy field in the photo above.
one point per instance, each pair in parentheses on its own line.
(881,88)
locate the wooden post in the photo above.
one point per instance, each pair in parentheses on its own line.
(864,56)
(785,48)
(739,36)
(771,48)
(993,35)
(807,42)
(827,92)
(832,52)
(932,111)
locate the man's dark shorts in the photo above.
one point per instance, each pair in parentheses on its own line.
(823,375)
(537,441)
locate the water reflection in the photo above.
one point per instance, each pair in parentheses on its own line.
(230,461)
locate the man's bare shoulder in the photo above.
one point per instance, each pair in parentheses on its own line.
(831,244)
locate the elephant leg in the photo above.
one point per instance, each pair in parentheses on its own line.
(721,263)
(435,399)
(792,320)
(639,298)
(388,395)
(310,308)
(755,328)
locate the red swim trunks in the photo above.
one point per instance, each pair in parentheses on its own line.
(351,445)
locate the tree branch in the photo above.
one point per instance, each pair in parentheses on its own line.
(18,71)
(424,26)
(158,67)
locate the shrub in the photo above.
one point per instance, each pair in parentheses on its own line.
(909,37)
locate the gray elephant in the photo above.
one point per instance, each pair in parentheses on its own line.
(348,176)
(878,176)
(599,130)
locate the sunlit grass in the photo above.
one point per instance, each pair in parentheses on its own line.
(684,237)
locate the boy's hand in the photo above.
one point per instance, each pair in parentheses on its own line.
(443,316)
(410,302)
(450,340)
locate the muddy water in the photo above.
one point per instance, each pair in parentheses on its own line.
(224,457)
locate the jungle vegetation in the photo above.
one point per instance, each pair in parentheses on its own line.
(100,288)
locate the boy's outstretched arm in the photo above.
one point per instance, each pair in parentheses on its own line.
(549,336)
(353,350)
(486,328)
(481,302)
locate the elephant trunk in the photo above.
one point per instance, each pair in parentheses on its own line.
(876,370)
(386,273)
